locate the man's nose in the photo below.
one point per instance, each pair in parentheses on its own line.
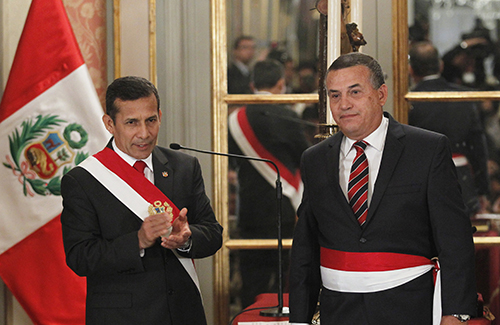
(344,103)
(142,131)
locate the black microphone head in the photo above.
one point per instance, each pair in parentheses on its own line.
(175,146)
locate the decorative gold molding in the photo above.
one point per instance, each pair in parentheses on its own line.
(257,243)
(400,59)
(219,144)
(116,38)
(452,96)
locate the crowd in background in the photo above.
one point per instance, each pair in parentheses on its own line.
(475,63)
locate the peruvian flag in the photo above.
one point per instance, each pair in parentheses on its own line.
(50,120)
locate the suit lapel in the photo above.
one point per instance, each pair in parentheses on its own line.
(164,175)
(332,158)
(392,152)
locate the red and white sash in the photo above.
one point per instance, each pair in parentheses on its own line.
(134,190)
(250,145)
(460,160)
(373,272)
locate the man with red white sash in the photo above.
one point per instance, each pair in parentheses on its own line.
(133,230)
(271,132)
(381,200)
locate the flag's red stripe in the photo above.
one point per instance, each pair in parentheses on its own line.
(36,273)
(47,52)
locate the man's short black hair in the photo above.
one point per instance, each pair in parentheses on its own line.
(128,88)
(355,59)
(267,73)
(424,59)
(241,38)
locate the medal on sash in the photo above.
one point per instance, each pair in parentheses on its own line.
(157,207)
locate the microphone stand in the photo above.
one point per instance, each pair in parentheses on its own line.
(278,311)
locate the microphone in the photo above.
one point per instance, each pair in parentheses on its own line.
(278,311)
(176,146)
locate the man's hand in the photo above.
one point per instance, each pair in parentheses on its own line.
(180,232)
(152,228)
(450,320)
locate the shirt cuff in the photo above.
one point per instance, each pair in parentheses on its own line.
(186,247)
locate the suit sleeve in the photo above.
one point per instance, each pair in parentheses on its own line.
(479,154)
(87,251)
(206,231)
(452,233)
(304,268)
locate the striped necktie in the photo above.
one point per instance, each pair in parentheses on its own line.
(357,190)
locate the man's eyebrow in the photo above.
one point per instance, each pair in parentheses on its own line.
(350,87)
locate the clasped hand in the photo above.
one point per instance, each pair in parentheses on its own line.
(159,225)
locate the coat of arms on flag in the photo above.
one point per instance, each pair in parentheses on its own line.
(44,149)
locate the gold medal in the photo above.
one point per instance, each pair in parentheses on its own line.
(157,207)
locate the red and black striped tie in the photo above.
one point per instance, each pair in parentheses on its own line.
(357,190)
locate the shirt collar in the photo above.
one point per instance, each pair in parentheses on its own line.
(131,160)
(263,92)
(431,77)
(376,139)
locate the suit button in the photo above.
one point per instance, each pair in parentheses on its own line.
(362,240)
(170,292)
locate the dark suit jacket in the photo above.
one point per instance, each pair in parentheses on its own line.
(237,82)
(101,243)
(416,208)
(279,130)
(459,121)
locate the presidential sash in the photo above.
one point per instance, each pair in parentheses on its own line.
(135,191)
(250,145)
(376,271)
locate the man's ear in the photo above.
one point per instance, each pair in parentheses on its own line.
(383,94)
(281,84)
(108,123)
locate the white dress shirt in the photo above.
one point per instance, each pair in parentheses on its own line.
(148,171)
(373,152)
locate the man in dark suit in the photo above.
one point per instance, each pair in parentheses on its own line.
(459,121)
(137,263)
(239,72)
(272,132)
(376,269)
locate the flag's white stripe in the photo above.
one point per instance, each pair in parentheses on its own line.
(132,200)
(264,169)
(74,100)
